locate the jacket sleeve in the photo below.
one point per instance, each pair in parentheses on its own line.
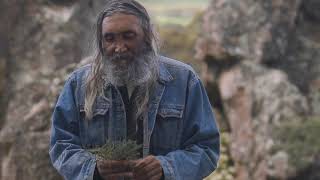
(200,150)
(66,153)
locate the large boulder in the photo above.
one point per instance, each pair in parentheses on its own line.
(261,58)
(278,34)
(24,139)
(247,29)
(50,34)
(256,100)
(301,61)
(40,45)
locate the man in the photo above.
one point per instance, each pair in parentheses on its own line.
(130,92)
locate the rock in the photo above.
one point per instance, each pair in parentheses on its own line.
(311,10)
(277,34)
(310,173)
(303,53)
(48,36)
(24,139)
(40,46)
(247,29)
(3,90)
(280,165)
(314,97)
(262,60)
(256,100)
(8,14)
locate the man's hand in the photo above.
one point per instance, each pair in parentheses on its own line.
(148,168)
(111,170)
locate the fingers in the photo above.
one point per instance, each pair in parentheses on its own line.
(144,162)
(155,174)
(113,163)
(110,169)
(148,168)
(143,170)
(117,175)
(156,177)
(110,166)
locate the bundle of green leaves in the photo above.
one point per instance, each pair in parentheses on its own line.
(119,150)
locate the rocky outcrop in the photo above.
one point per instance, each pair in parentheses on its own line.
(256,101)
(39,47)
(24,139)
(301,61)
(262,58)
(8,17)
(247,29)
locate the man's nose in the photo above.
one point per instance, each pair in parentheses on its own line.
(120,47)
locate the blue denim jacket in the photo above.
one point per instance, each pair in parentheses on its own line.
(180,129)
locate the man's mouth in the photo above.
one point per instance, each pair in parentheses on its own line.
(121,57)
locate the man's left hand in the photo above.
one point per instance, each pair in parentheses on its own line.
(148,168)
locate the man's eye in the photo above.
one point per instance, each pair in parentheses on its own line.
(108,37)
(129,35)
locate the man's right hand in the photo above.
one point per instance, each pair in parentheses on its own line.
(112,170)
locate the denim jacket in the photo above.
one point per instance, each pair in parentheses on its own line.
(180,129)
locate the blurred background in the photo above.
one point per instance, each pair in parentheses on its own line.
(259,61)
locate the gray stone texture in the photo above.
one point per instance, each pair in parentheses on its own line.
(41,41)
(263,57)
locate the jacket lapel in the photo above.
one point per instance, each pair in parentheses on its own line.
(153,105)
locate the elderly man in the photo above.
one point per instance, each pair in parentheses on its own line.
(130,92)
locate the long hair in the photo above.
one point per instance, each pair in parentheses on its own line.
(95,82)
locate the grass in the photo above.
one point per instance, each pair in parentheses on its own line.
(123,150)
(179,12)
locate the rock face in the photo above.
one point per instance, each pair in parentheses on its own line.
(24,140)
(263,59)
(249,29)
(39,41)
(256,101)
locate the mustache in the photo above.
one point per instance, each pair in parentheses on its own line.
(120,56)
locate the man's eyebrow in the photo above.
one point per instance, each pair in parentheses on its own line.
(129,31)
(108,34)
(115,34)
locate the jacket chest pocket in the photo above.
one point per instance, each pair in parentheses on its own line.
(93,132)
(168,128)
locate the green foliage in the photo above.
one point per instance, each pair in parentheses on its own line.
(121,150)
(178,42)
(300,139)
(178,12)
(225,170)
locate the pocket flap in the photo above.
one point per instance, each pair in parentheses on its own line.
(170,110)
(100,107)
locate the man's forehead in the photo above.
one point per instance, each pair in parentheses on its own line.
(120,21)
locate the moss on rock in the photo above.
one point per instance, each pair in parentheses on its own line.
(300,139)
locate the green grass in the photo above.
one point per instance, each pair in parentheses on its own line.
(179,12)
(122,150)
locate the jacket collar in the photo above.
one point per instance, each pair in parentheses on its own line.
(164,74)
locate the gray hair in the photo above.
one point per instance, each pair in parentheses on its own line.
(95,81)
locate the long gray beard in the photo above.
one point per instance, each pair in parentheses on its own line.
(142,70)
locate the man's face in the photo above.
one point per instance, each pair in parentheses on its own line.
(123,38)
